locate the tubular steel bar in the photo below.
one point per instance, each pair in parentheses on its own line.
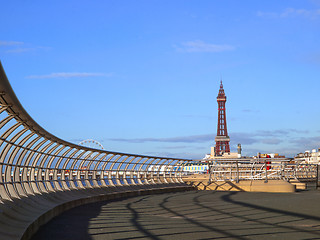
(41,174)
(261,169)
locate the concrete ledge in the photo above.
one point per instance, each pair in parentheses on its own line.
(246,186)
(299,185)
(119,193)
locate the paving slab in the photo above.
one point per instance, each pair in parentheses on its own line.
(193,215)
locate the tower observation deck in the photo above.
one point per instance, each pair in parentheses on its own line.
(222,139)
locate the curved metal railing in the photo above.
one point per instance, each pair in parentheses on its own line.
(34,162)
(261,169)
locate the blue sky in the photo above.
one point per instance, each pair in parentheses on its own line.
(143,76)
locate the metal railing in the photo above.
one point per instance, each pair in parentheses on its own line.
(261,169)
(35,164)
(34,161)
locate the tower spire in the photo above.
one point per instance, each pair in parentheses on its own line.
(222,139)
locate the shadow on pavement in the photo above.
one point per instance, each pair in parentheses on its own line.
(193,215)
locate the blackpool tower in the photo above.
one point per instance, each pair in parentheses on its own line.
(222,139)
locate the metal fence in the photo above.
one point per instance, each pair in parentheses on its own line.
(261,169)
(33,161)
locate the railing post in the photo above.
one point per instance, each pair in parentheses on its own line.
(237,177)
(317,179)
(265,164)
(210,169)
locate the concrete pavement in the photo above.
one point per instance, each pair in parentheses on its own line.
(193,215)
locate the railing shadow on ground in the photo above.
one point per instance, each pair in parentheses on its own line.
(193,215)
(215,185)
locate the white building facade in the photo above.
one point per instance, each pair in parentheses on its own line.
(308,157)
(200,167)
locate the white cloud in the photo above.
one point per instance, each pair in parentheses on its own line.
(271,141)
(297,12)
(10,43)
(260,136)
(200,46)
(290,12)
(26,49)
(20,47)
(20,50)
(183,139)
(307,142)
(181,155)
(69,75)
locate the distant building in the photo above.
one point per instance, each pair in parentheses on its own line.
(200,167)
(269,155)
(308,157)
(226,155)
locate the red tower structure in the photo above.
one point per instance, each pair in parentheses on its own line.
(222,139)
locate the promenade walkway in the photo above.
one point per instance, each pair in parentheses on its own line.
(193,215)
